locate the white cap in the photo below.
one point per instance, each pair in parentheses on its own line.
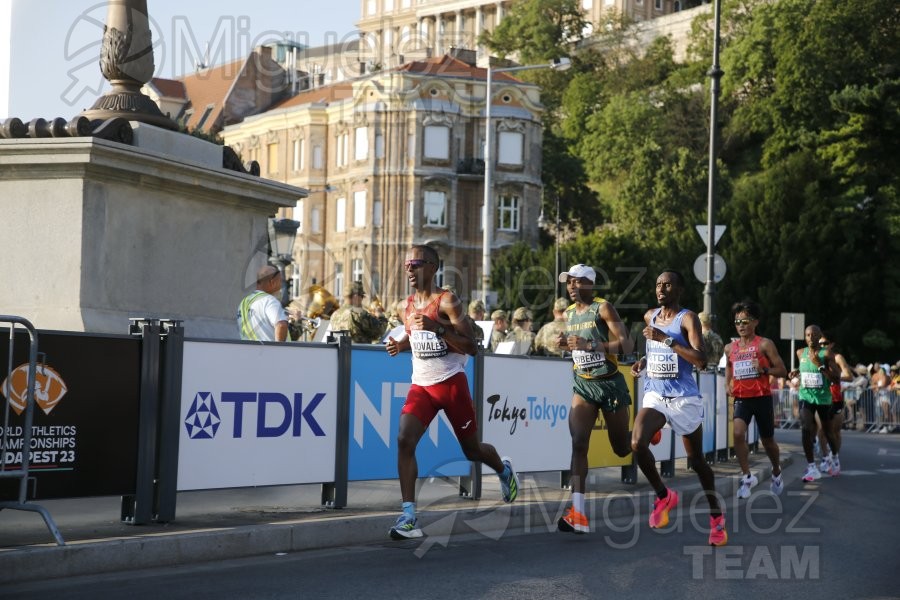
(578,271)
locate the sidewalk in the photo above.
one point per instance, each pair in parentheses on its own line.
(235,523)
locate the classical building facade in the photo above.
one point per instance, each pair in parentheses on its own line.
(395,31)
(395,158)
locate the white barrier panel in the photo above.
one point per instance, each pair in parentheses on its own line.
(257,415)
(526,411)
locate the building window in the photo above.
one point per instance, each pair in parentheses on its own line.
(510,148)
(342,153)
(379,146)
(508,213)
(338,280)
(318,163)
(411,212)
(295,282)
(439,273)
(315,220)
(298,215)
(340,216)
(359,209)
(361,149)
(587,4)
(206,112)
(388,5)
(271,158)
(437,142)
(658,4)
(298,155)
(435,209)
(377,218)
(356,269)
(411,147)
(371,7)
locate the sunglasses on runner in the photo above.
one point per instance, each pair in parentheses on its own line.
(416,263)
(743,321)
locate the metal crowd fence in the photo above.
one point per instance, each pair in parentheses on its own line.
(865,409)
(872,410)
(18,386)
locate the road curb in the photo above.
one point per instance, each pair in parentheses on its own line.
(489,519)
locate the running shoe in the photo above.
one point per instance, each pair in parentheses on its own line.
(405,528)
(812,473)
(509,488)
(835,467)
(661,507)
(777,484)
(657,437)
(573,522)
(826,465)
(717,534)
(747,483)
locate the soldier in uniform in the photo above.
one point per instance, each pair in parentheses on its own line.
(476,313)
(545,342)
(501,324)
(364,328)
(521,332)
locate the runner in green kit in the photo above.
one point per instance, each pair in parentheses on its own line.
(818,370)
(594,335)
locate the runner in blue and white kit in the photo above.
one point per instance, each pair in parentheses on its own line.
(674,347)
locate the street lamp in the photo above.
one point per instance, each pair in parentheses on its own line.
(282,233)
(542,222)
(557,64)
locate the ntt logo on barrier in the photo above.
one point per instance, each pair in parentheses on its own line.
(276,414)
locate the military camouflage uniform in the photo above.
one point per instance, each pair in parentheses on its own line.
(545,342)
(364,328)
(524,340)
(477,331)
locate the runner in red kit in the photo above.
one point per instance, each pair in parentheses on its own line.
(751,361)
(440,339)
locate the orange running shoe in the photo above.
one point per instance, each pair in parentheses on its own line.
(573,522)
(661,507)
(717,534)
(657,437)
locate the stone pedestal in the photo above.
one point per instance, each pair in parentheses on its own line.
(95,232)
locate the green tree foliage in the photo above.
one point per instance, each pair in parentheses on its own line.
(807,171)
(537,30)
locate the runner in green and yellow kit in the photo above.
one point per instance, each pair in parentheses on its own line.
(818,370)
(594,335)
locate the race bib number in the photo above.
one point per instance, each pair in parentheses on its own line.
(811,380)
(662,364)
(588,360)
(426,344)
(743,369)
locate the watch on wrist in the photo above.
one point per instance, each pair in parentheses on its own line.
(440,331)
(669,341)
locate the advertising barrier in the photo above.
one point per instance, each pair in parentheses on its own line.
(378,387)
(257,414)
(84,431)
(526,404)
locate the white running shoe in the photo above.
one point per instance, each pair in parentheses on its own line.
(777,484)
(826,465)
(835,467)
(747,483)
(812,473)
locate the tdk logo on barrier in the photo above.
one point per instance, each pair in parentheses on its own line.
(275,414)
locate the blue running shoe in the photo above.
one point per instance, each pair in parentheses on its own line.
(509,488)
(405,528)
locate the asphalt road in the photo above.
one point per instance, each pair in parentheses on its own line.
(836,538)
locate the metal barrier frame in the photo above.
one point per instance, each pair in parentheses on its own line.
(22,473)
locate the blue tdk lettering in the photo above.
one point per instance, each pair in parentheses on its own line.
(273,406)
